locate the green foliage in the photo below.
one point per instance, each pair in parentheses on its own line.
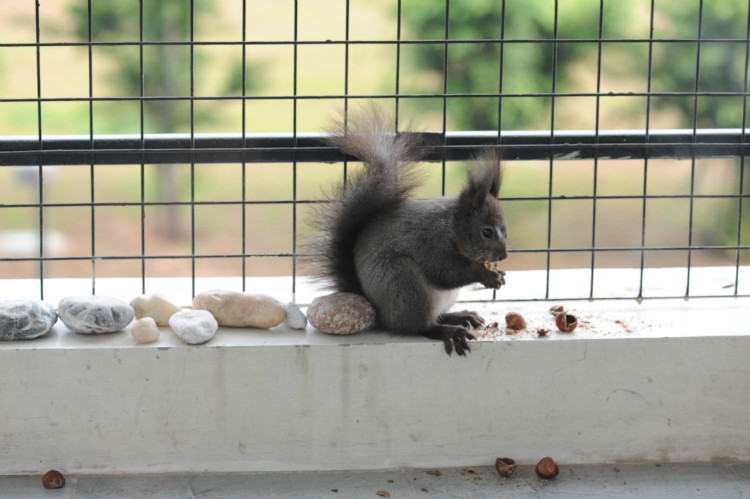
(165,66)
(529,67)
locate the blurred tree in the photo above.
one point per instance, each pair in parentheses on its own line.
(527,66)
(165,68)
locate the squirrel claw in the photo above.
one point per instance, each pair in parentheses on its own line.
(460,343)
(454,337)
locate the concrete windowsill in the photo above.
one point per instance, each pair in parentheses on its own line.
(664,380)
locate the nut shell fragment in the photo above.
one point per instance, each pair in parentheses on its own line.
(566,322)
(547,468)
(53,479)
(556,309)
(514,320)
(505,466)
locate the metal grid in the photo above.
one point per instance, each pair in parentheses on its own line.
(554,145)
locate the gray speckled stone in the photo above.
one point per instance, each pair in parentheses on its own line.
(295,318)
(94,314)
(341,313)
(25,319)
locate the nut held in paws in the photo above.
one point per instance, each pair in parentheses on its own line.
(547,468)
(53,479)
(505,466)
(514,320)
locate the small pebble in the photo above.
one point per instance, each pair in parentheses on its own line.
(94,314)
(25,319)
(155,306)
(237,309)
(145,330)
(341,313)
(194,326)
(295,318)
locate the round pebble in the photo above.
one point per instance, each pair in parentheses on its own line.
(295,318)
(341,313)
(194,326)
(145,330)
(25,319)
(94,314)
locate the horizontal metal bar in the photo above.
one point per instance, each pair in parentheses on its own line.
(146,257)
(309,147)
(431,41)
(381,96)
(103,204)
(298,254)
(610,298)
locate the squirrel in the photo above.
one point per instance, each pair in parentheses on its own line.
(409,257)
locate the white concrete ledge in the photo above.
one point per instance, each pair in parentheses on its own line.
(667,380)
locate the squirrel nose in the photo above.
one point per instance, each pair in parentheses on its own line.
(502,254)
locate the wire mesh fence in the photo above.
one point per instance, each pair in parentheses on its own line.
(182,138)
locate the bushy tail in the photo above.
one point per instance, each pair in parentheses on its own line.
(381,187)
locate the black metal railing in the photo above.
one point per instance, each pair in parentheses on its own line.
(705,84)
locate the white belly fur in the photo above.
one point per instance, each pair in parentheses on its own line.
(442,300)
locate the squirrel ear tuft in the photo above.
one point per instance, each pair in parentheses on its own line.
(484,179)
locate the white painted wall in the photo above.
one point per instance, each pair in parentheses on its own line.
(283,400)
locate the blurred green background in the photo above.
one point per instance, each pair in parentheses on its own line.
(330,71)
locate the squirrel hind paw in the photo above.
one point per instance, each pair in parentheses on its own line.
(454,337)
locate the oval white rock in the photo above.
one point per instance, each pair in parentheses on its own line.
(144,330)
(194,326)
(295,318)
(155,306)
(237,309)
(94,314)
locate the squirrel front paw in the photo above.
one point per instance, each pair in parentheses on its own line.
(493,278)
(454,337)
(465,318)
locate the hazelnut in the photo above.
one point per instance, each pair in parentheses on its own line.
(566,322)
(556,309)
(505,466)
(53,479)
(547,468)
(383,493)
(514,320)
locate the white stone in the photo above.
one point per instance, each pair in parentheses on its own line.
(155,306)
(237,309)
(94,314)
(145,330)
(295,318)
(194,326)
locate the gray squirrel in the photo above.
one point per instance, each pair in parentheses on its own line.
(409,257)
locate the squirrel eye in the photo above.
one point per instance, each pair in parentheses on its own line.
(487,233)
